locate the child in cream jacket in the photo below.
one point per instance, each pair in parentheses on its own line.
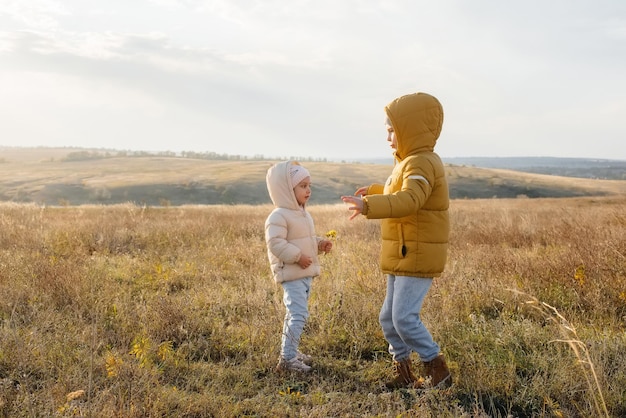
(292,248)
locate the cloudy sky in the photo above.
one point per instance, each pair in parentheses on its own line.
(311,77)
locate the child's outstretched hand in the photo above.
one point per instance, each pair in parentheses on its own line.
(325,246)
(305,261)
(357,205)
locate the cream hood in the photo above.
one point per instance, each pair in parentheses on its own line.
(279,186)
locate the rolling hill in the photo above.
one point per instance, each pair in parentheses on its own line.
(70,177)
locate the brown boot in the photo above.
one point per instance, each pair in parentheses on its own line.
(404,376)
(437,372)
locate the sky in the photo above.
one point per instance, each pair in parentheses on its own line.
(310,78)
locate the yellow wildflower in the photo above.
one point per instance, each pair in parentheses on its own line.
(579,275)
(141,350)
(165,350)
(113,365)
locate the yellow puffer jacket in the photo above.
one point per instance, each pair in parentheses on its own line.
(413,203)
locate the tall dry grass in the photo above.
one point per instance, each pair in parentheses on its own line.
(127,311)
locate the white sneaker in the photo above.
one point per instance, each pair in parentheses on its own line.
(294,364)
(305,358)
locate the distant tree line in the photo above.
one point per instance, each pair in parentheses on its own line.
(84,155)
(231,157)
(99,155)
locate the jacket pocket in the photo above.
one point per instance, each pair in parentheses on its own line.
(401,246)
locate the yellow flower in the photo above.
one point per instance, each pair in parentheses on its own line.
(141,350)
(579,275)
(113,365)
(165,350)
(332,234)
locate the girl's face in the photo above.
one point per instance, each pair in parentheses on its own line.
(303,191)
(391,137)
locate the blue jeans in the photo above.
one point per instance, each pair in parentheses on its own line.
(296,299)
(400,318)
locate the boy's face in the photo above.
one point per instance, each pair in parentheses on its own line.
(303,191)
(391,137)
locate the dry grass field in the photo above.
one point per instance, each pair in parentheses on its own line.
(140,311)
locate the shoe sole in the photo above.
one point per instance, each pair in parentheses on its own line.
(282,369)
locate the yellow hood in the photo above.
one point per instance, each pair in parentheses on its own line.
(417,120)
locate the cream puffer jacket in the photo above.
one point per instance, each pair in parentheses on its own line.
(413,204)
(289,229)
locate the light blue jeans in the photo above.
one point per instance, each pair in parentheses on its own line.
(296,299)
(400,318)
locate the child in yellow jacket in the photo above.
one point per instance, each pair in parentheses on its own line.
(413,206)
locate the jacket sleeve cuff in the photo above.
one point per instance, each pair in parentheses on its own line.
(365,207)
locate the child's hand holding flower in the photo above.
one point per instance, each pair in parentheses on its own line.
(325,246)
